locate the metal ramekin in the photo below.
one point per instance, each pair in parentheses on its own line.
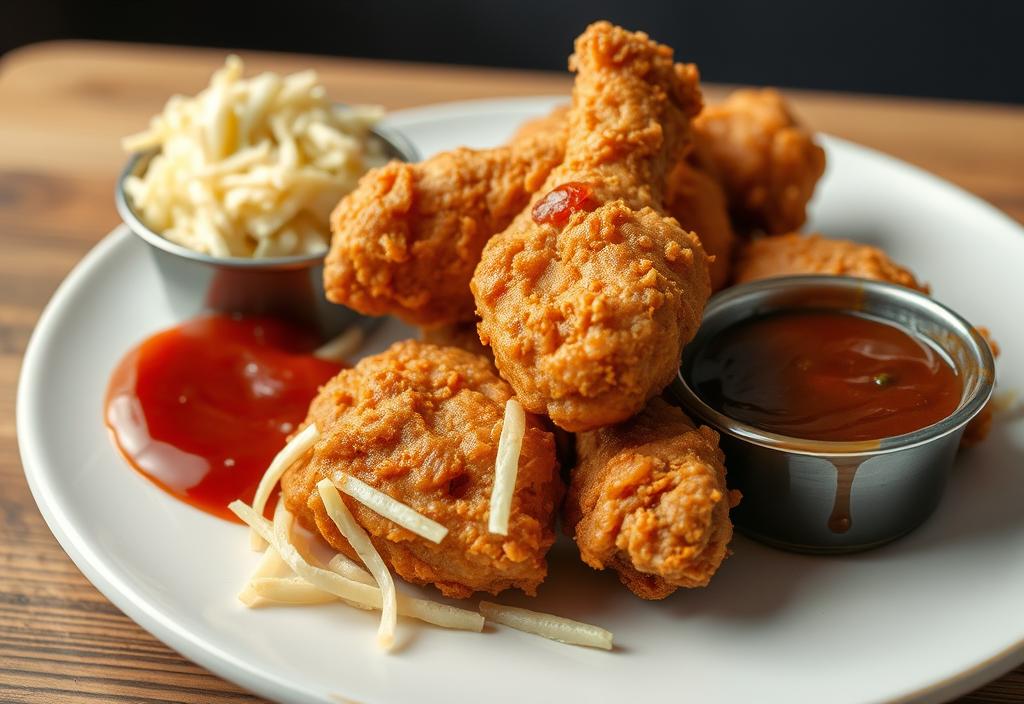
(832,497)
(287,287)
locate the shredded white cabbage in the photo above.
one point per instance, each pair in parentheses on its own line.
(552,627)
(506,466)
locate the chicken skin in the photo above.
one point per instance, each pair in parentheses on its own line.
(698,203)
(461,335)
(590,294)
(406,241)
(648,499)
(692,197)
(796,254)
(767,164)
(793,254)
(421,423)
(554,125)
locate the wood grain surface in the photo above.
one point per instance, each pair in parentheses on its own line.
(63,108)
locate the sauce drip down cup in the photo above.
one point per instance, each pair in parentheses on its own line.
(827,496)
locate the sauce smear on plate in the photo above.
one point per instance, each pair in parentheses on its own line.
(202,408)
(825,376)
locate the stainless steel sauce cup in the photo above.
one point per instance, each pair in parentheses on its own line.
(286,287)
(831,497)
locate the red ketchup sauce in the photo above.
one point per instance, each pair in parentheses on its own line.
(561,202)
(202,408)
(825,376)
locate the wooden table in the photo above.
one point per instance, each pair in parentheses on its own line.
(63,108)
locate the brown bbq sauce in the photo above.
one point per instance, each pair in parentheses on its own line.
(202,408)
(825,376)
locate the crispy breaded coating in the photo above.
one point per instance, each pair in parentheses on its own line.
(464,336)
(793,254)
(421,423)
(554,125)
(692,197)
(406,241)
(698,203)
(587,315)
(766,162)
(461,335)
(648,499)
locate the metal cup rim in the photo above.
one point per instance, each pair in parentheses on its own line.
(397,143)
(905,297)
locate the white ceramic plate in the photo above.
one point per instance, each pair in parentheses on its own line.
(924,619)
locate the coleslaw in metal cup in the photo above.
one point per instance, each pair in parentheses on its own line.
(287,287)
(831,497)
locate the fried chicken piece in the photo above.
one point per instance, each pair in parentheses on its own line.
(695,199)
(554,125)
(648,500)
(766,162)
(464,336)
(588,307)
(421,423)
(793,254)
(698,203)
(406,241)
(460,335)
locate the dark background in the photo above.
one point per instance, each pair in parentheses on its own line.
(967,50)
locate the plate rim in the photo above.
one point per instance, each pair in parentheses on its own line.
(235,669)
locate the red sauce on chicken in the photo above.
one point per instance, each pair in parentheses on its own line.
(202,408)
(561,202)
(825,376)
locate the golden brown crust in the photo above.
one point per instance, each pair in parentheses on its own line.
(766,162)
(554,125)
(750,142)
(406,241)
(692,197)
(648,499)
(421,423)
(794,254)
(587,319)
(461,335)
(697,201)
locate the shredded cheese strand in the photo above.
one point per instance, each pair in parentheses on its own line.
(390,508)
(289,590)
(289,455)
(360,542)
(339,563)
(348,568)
(270,565)
(351,592)
(282,530)
(506,466)
(564,630)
